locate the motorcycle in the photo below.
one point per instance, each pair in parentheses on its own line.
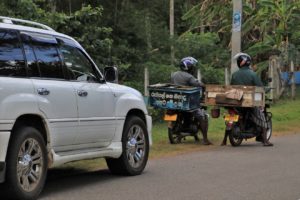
(182,124)
(239,127)
(181,105)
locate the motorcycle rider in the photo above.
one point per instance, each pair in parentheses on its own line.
(185,77)
(246,76)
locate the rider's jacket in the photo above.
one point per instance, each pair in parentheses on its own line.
(184,78)
(245,76)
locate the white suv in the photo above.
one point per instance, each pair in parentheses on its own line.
(57,107)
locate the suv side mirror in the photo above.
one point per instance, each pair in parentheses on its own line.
(111,74)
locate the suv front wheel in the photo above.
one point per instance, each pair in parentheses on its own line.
(135,149)
(26,164)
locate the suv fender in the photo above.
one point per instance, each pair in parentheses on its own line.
(129,104)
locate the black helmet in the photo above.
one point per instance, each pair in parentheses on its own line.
(188,64)
(243,60)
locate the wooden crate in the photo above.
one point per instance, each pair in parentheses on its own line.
(252,96)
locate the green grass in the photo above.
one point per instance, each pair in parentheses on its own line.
(286,120)
(286,116)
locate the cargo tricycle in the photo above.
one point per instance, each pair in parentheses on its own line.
(243,103)
(179,103)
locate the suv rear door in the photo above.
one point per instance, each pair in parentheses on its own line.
(56,96)
(96,101)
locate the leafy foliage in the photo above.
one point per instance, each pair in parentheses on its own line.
(269,26)
(274,34)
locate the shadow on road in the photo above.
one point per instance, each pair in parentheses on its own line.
(62,180)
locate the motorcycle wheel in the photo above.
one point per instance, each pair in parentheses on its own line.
(196,138)
(234,141)
(270,129)
(174,138)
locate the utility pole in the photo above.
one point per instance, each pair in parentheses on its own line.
(236,32)
(199,77)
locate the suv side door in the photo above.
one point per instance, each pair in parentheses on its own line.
(96,101)
(55,94)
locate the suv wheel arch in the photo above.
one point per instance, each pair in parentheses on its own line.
(34,121)
(37,122)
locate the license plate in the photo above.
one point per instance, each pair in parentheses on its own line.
(170,117)
(231,118)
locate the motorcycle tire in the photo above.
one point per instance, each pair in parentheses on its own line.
(270,128)
(234,140)
(196,137)
(174,138)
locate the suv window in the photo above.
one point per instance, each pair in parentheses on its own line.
(47,56)
(11,55)
(78,65)
(32,67)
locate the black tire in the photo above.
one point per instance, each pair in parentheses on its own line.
(234,141)
(135,149)
(269,130)
(196,137)
(26,164)
(270,127)
(174,138)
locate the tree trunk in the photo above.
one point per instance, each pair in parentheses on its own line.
(52,4)
(116,13)
(293,86)
(70,7)
(172,30)
(149,46)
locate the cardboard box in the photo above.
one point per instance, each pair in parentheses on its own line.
(234,95)
(174,97)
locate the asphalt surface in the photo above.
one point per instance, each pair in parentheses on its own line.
(247,172)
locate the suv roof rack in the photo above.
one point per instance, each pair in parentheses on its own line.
(9,20)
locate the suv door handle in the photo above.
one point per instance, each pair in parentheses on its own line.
(82,93)
(43,91)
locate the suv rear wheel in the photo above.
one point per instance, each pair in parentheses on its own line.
(135,146)
(26,164)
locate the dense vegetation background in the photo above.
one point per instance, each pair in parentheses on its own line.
(135,34)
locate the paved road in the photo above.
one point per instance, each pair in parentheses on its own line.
(248,172)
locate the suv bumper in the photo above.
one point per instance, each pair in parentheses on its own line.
(4,140)
(2,171)
(149,128)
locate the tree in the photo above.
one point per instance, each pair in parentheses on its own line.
(274,35)
(85,25)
